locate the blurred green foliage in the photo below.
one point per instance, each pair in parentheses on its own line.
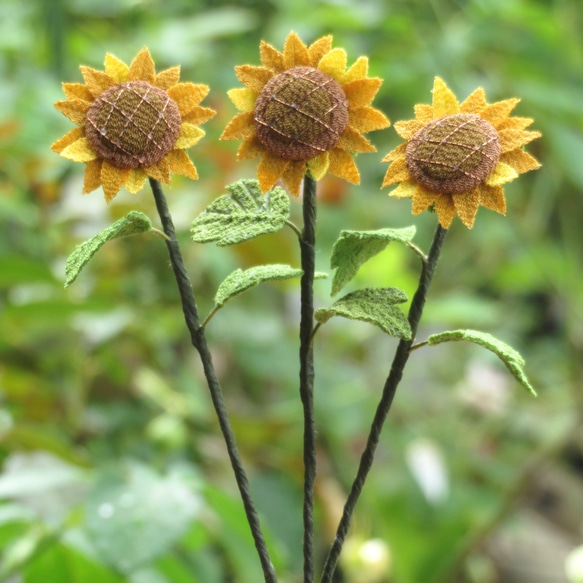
(112,465)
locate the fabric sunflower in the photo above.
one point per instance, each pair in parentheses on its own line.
(132,123)
(458,156)
(303,110)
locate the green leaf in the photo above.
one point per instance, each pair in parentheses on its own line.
(135,515)
(376,306)
(354,248)
(132,224)
(242,214)
(240,281)
(510,357)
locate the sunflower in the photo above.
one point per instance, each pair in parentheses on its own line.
(458,156)
(133,123)
(302,110)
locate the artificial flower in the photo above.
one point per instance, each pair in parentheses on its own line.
(303,110)
(457,157)
(133,123)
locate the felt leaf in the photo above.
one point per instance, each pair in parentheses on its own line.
(240,281)
(242,214)
(376,306)
(132,224)
(354,248)
(510,357)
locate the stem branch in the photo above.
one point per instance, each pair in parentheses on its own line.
(307,244)
(384,406)
(198,339)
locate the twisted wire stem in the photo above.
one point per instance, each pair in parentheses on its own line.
(199,342)
(307,244)
(399,361)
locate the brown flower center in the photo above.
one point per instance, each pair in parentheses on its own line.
(300,113)
(453,154)
(133,124)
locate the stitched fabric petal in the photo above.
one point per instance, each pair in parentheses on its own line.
(142,67)
(243,98)
(79,151)
(319,165)
(240,127)
(116,68)
(405,190)
(502,174)
(444,100)
(520,160)
(168,78)
(180,163)
(92,176)
(362,92)
(357,71)
(295,52)
(293,176)
(136,180)
(271,57)
(334,63)
(342,165)
(397,172)
(270,170)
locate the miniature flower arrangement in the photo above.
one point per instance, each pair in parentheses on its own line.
(303,114)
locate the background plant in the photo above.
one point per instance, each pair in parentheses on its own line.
(72,372)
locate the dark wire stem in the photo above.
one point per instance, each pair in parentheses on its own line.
(307,246)
(198,339)
(384,406)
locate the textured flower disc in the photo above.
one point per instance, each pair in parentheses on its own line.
(133,124)
(301,113)
(453,154)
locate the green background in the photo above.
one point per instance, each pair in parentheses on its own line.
(112,464)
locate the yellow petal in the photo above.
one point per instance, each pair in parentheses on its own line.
(444,100)
(318,49)
(319,165)
(407,129)
(342,165)
(358,71)
(513,139)
(398,152)
(97,81)
(240,127)
(352,141)
(250,148)
(397,172)
(244,99)
(404,190)
(77,91)
(361,92)
(79,151)
(188,137)
(136,180)
(502,174)
(270,170)
(199,115)
(161,170)
(515,123)
(293,176)
(334,63)
(475,102)
(423,112)
(92,177)
(116,68)
(142,67)
(67,140)
(422,200)
(498,112)
(187,96)
(271,57)
(168,78)
(445,210)
(179,163)
(466,205)
(295,52)
(252,77)
(520,160)
(74,109)
(368,119)
(112,179)
(492,198)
